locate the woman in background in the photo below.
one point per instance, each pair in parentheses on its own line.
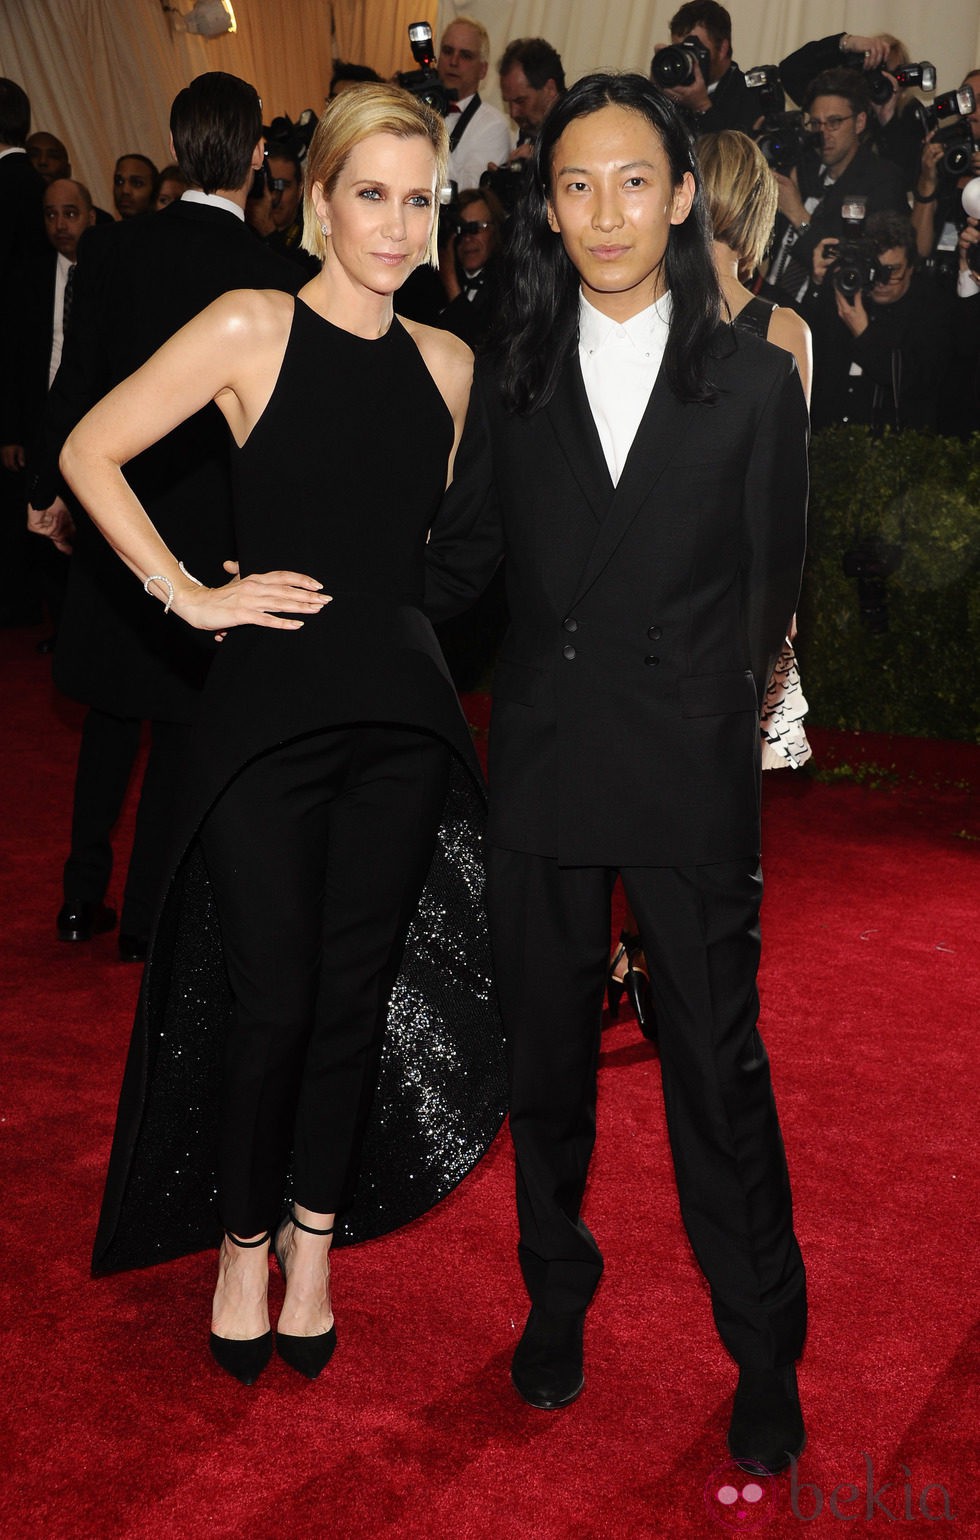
(741,194)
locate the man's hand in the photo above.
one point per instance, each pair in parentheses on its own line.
(824,258)
(696,96)
(790,203)
(875,49)
(55,522)
(13,457)
(932,154)
(854,316)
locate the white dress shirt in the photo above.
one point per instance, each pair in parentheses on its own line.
(620,363)
(485,138)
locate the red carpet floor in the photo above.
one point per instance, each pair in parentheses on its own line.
(116,1423)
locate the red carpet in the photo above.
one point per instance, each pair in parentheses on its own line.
(116,1423)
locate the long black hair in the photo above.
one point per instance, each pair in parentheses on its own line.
(539,323)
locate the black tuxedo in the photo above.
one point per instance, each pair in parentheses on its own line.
(137,283)
(644,623)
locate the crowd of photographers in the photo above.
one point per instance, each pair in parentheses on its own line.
(876,240)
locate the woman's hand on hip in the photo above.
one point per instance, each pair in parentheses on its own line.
(261,599)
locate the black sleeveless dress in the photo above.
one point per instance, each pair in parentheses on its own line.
(340,478)
(784,740)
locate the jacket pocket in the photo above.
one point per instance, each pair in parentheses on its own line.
(708,695)
(516,681)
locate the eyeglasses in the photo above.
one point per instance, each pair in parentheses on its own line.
(474,226)
(819,124)
(891,272)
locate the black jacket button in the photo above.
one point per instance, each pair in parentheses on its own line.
(570,623)
(651,661)
(655,633)
(568,651)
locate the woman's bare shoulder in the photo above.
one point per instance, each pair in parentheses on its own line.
(786,328)
(260,313)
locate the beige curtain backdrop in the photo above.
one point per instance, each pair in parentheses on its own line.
(101,74)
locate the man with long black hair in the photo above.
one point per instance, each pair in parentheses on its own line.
(643,469)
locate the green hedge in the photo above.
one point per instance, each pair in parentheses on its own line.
(914,500)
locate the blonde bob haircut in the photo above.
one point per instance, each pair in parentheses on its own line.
(354,115)
(741,193)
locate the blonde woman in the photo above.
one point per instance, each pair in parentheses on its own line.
(741,195)
(329,742)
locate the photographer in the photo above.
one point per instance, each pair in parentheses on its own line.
(936,212)
(720,99)
(892,132)
(882,334)
(478,133)
(470,268)
(532,78)
(839,181)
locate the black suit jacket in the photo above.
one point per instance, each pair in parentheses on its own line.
(645,619)
(22,238)
(28,325)
(137,283)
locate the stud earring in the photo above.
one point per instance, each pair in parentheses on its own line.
(324,230)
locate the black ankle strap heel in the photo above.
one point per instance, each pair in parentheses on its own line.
(243,1359)
(307,1355)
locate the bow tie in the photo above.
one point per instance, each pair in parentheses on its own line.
(451,107)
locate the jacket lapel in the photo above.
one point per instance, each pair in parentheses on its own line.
(571,418)
(659,439)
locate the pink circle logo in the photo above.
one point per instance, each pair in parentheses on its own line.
(740,1496)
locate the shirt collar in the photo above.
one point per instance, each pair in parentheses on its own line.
(649,326)
(212,200)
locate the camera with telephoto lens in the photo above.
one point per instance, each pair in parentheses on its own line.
(678,64)
(424,82)
(855,269)
(766,86)
(784,139)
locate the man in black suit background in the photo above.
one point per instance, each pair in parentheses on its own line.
(137,283)
(643,471)
(35,315)
(22,244)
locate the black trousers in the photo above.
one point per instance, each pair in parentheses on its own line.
(317,853)
(106,754)
(699,927)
